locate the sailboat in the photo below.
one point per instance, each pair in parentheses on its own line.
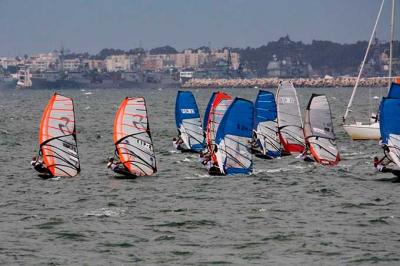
(290,124)
(24,79)
(370,130)
(132,138)
(57,137)
(265,129)
(318,131)
(390,127)
(233,138)
(218,108)
(188,123)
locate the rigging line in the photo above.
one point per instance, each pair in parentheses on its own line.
(184,121)
(67,165)
(362,64)
(235,159)
(293,138)
(135,147)
(132,135)
(62,170)
(74,154)
(59,138)
(142,162)
(58,154)
(323,148)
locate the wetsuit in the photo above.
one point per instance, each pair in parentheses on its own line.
(40,167)
(119,168)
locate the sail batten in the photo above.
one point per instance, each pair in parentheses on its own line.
(132,138)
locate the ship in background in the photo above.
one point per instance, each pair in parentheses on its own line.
(54,71)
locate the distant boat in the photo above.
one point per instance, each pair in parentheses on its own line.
(24,79)
(57,137)
(318,131)
(188,123)
(290,124)
(233,138)
(369,130)
(266,124)
(132,138)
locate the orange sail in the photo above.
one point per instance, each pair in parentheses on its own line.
(132,138)
(57,137)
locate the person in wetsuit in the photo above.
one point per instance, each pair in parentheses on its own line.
(40,167)
(118,167)
(177,143)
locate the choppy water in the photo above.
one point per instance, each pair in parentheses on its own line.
(287,212)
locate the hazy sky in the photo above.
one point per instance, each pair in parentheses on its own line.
(42,25)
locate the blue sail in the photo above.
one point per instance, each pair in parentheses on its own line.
(394,91)
(187,118)
(265,107)
(233,138)
(389,122)
(207,112)
(265,124)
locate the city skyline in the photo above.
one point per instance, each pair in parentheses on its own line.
(89,26)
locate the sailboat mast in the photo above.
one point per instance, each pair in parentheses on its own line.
(391,41)
(363,63)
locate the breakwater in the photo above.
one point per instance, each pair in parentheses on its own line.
(274,82)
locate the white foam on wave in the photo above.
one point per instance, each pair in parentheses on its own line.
(88,93)
(186,160)
(106,212)
(196,177)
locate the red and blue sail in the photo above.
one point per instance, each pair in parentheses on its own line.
(233,138)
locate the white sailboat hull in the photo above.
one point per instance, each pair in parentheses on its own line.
(359,131)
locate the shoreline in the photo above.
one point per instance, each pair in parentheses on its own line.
(297,82)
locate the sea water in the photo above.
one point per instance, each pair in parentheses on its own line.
(286,212)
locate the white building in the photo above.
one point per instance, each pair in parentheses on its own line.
(72,64)
(42,62)
(116,63)
(5,62)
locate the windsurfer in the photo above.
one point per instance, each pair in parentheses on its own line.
(177,143)
(305,156)
(39,166)
(117,167)
(380,164)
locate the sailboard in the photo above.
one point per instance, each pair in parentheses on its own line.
(266,124)
(57,137)
(290,124)
(132,138)
(218,108)
(187,118)
(318,131)
(233,138)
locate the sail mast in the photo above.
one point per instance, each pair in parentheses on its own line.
(363,63)
(391,42)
